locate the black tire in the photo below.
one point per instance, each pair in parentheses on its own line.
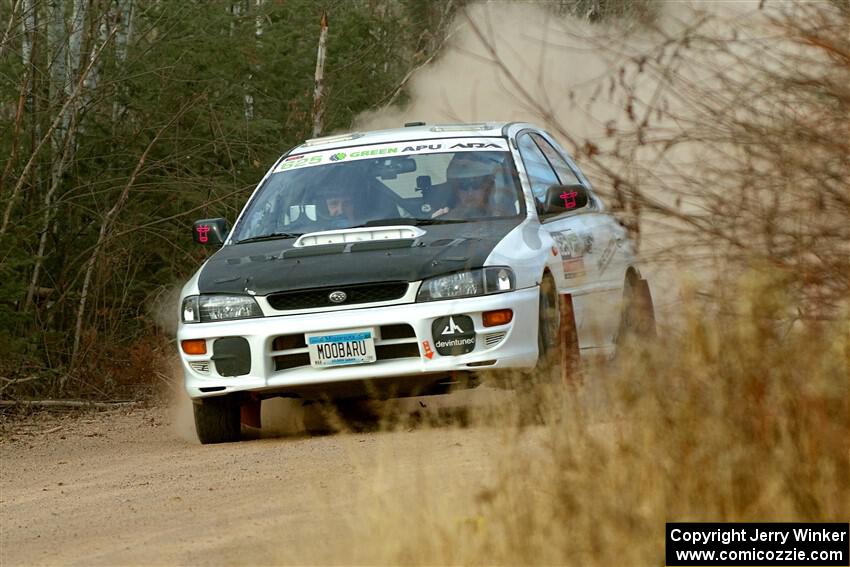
(217,420)
(637,318)
(548,330)
(539,389)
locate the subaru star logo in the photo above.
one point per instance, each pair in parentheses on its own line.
(337,296)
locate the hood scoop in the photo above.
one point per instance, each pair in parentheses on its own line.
(364,234)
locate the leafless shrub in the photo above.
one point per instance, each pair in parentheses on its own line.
(717,131)
(729,421)
(721,136)
(731,138)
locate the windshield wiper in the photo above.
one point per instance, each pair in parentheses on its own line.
(272,236)
(408,220)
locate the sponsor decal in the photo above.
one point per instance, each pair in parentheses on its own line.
(452,328)
(607,255)
(574,268)
(475,146)
(393,149)
(453,335)
(374,152)
(426,347)
(421,147)
(300,162)
(573,247)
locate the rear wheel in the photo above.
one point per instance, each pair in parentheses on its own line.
(217,419)
(637,319)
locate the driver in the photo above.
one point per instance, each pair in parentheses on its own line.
(471,178)
(339,204)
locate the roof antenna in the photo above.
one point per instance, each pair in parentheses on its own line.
(410,124)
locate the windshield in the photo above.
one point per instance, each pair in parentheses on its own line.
(420,182)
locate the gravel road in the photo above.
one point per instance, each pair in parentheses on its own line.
(132,486)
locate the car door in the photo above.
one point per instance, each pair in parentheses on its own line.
(582,237)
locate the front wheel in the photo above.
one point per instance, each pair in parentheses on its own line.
(541,386)
(217,419)
(548,333)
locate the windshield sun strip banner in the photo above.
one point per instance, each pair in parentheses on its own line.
(412,147)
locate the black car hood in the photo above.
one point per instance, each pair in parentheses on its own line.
(274,265)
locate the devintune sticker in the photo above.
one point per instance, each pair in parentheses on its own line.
(453,335)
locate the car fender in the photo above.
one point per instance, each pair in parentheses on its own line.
(191,285)
(529,251)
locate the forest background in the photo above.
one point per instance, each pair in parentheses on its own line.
(122,121)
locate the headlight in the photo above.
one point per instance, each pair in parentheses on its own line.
(206,308)
(466,284)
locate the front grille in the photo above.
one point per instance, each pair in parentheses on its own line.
(400,331)
(289,342)
(361,293)
(299,356)
(406,350)
(287,361)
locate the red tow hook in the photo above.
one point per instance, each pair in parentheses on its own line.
(249,411)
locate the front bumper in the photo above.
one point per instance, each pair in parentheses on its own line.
(513,345)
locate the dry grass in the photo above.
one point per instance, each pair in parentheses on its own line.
(732,139)
(741,415)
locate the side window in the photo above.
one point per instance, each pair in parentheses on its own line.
(540,173)
(565,174)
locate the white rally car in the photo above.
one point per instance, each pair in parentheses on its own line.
(399,261)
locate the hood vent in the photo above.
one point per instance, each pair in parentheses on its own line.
(364,234)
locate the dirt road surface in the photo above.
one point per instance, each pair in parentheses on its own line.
(132,486)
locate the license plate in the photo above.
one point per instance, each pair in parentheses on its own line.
(355,346)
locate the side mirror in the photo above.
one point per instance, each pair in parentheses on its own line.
(564,198)
(210,231)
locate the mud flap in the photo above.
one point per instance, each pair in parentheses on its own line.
(570,357)
(249,412)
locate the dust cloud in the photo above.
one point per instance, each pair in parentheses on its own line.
(547,55)
(164,308)
(280,417)
(585,84)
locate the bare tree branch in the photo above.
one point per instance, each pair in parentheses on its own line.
(47,136)
(106,227)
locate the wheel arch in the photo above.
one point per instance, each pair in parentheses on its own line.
(632,275)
